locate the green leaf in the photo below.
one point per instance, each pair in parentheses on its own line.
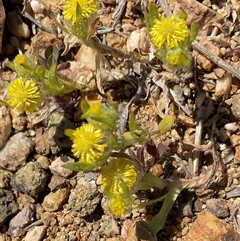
(166,124)
(40,72)
(54,85)
(105,118)
(22,71)
(149,180)
(193,32)
(137,132)
(183,15)
(81,24)
(85,167)
(84,106)
(159,220)
(3,103)
(69,132)
(152,13)
(148,203)
(77,167)
(51,55)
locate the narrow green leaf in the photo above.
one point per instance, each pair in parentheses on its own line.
(77,167)
(3,103)
(148,203)
(183,15)
(159,220)
(55,85)
(152,13)
(193,32)
(137,132)
(81,24)
(149,180)
(166,124)
(84,106)
(85,167)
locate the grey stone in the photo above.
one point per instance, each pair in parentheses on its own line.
(57,168)
(15,152)
(8,205)
(57,125)
(30,179)
(218,207)
(21,220)
(84,198)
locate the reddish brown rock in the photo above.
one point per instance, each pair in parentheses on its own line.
(210,228)
(55,200)
(204,62)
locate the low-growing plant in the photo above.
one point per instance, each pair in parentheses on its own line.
(171,36)
(122,175)
(95,143)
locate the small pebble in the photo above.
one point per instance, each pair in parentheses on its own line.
(36,234)
(30,179)
(55,200)
(218,207)
(84,198)
(16,25)
(57,182)
(57,168)
(15,152)
(37,6)
(44,161)
(21,220)
(235,108)
(8,205)
(57,139)
(232,127)
(5,125)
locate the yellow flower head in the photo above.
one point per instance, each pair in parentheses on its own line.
(118,173)
(87,142)
(88,7)
(174,59)
(20,59)
(120,205)
(95,109)
(170,30)
(23,95)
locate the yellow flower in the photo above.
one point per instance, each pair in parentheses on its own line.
(87,142)
(23,95)
(120,205)
(177,58)
(170,30)
(95,109)
(117,171)
(88,7)
(20,59)
(174,59)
